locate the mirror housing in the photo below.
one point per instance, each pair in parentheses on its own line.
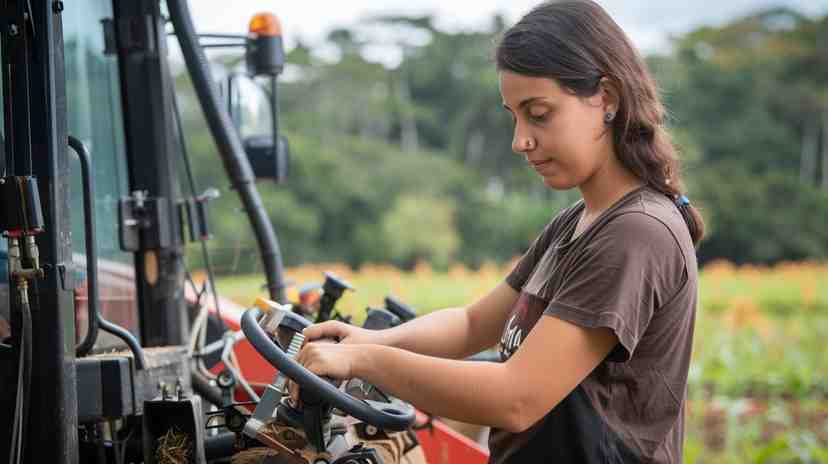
(254,113)
(267,161)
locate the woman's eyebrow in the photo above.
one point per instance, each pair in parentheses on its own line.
(524,102)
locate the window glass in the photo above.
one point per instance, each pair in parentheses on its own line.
(94,116)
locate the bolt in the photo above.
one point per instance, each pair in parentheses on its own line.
(370,430)
(14,30)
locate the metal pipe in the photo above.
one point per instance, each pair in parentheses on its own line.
(230,147)
(85,346)
(223,45)
(93,297)
(274,116)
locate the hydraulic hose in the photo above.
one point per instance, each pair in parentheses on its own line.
(229,146)
(24,378)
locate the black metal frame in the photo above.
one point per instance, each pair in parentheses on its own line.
(35,109)
(36,144)
(149,125)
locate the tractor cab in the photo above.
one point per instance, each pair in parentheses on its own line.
(109,351)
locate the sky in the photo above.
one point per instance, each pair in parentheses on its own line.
(649,23)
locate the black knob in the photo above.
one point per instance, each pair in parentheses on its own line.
(332,290)
(335,285)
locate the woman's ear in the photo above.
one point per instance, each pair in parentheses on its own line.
(611,97)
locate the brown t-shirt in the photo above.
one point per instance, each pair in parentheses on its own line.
(634,271)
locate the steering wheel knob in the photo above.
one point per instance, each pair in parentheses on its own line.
(395,415)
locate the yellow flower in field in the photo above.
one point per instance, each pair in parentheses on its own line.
(719,268)
(742,313)
(423,268)
(458,271)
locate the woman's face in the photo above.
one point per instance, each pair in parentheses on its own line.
(562,136)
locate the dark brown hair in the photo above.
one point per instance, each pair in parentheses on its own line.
(577,43)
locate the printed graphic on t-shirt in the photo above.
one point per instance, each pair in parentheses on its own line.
(528,309)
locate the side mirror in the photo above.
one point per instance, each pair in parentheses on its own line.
(253,111)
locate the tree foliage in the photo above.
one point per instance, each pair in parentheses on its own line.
(411,160)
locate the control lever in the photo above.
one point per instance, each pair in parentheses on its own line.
(379,319)
(332,289)
(400,309)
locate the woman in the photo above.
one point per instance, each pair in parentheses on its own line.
(595,322)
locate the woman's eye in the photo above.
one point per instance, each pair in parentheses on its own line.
(538,117)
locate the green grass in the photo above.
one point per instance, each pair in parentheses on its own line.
(760,344)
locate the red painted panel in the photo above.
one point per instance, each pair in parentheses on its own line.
(441,444)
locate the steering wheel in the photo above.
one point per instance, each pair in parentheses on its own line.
(394,415)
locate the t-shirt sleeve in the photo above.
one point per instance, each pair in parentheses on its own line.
(526,264)
(630,268)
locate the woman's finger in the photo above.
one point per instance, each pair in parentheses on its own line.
(327,329)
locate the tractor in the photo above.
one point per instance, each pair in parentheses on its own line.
(109,351)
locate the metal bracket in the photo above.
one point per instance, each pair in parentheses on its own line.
(193,215)
(141,219)
(135,35)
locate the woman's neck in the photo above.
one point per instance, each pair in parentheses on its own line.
(608,185)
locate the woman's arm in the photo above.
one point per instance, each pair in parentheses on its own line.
(551,362)
(449,333)
(456,333)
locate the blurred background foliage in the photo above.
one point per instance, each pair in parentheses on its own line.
(413,162)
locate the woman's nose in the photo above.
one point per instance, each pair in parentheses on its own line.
(523,143)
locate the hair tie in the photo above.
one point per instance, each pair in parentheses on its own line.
(682,201)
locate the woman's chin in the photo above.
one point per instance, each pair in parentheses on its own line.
(557,183)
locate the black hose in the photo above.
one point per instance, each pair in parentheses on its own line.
(220,446)
(27,375)
(229,146)
(202,386)
(24,381)
(93,297)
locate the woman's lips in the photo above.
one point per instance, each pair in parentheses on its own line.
(539,163)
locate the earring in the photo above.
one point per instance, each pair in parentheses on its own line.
(608,117)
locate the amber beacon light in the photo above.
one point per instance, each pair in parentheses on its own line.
(265,52)
(265,24)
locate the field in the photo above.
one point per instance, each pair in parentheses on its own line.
(759,379)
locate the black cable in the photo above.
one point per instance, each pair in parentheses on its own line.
(188,168)
(24,379)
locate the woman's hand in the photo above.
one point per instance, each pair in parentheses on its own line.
(335,360)
(343,333)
